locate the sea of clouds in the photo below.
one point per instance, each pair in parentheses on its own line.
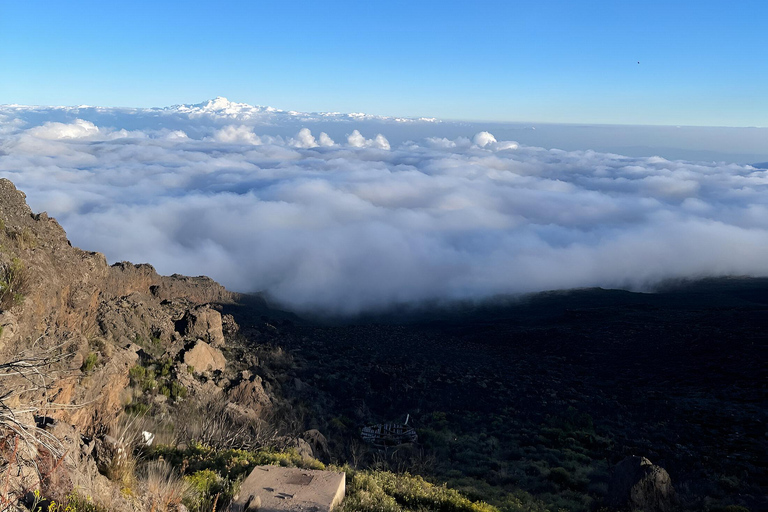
(354,222)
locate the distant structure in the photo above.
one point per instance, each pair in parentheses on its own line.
(384,435)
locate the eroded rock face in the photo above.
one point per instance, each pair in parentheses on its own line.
(104,390)
(73,298)
(639,485)
(134,315)
(203,357)
(251,396)
(95,322)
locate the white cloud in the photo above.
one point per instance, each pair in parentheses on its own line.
(483,139)
(236,134)
(346,227)
(79,129)
(304,139)
(380,142)
(356,140)
(325,140)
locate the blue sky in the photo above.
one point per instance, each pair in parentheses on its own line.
(701,62)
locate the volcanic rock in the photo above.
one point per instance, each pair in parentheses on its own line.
(203,323)
(203,357)
(639,485)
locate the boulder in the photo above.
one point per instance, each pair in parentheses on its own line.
(204,357)
(204,323)
(301,446)
(251,395)
(318,443)
(639,485)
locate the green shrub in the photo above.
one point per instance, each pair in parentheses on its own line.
(561,477)
(74,502)
(205,481)
(137,374)
(90,362)
(382,491)
(231,463)
(178,391)
(165,367)
(209,490)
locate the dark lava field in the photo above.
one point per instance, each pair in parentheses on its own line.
(532,401)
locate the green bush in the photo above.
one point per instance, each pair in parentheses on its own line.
(178,391)
(382,491)
(90,362)
(72,503)
(231,463)
(137,374)
(210,490)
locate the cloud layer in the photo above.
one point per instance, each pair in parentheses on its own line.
(357,223)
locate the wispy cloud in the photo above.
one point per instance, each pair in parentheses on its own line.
(359,223)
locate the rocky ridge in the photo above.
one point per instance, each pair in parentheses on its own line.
(81,340)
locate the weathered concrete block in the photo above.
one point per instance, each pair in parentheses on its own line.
(279,489)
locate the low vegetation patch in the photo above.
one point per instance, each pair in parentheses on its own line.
(383,491)
(90,362)
(74,502)
(231,463)
(12,283)
(153,377)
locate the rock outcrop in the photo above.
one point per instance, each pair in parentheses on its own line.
(87,325)
(202,357)
(639,485)
(73,303)
(204,323)
(250,395)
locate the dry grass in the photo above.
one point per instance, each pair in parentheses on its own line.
(25,239)
(165,487)
(13,279)
(213,424)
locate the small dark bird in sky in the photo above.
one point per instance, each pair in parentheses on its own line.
(638,62)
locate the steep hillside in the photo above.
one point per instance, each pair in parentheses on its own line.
(81,341)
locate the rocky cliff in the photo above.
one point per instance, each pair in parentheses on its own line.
(81,339)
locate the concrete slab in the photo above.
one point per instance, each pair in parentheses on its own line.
(279,489)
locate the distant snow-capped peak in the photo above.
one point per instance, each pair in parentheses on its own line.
(222,107)
(218,109)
